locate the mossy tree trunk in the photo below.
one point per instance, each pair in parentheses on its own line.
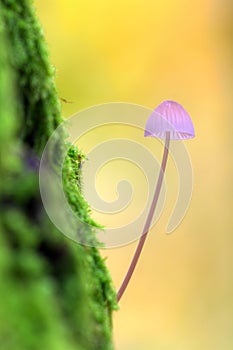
(54,294)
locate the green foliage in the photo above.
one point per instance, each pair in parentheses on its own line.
(54,293)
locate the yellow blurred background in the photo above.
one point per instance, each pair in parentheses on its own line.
(181,296)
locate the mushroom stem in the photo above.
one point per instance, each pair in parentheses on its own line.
(148,221)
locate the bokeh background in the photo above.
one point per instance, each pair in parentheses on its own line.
(181,296)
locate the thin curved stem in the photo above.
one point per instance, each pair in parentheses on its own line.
(148,220)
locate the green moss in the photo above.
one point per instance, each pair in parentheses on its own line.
(8,125)
(55,294)
(35,75)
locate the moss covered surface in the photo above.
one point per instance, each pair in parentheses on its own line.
(54,294)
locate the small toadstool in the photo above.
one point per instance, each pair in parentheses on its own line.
(168,121)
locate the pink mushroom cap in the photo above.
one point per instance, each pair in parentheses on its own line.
(170,117)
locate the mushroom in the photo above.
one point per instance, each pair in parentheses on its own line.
(168,121)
